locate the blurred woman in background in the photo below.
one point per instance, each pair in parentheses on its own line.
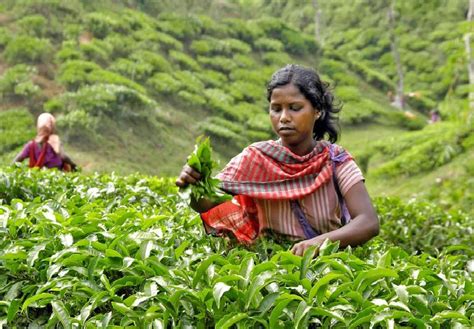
(45,150)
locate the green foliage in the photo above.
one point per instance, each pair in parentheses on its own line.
(26,49)
(276,59)
(16,128)
(16,83)
(167,42)
(98,51)
(164,83)
(34,25)
(77,124)
(5,37)
(134,70)
(103,99)
(68,53)
(242,30)
(423,150)
(184,61)
(75,74)
(100,24)
(245,91)
(267,44)
(103,251)
(218,63)
(422,226)
(207,187)
(293,41)
(213,46)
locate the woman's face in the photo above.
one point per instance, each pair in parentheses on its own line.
(293,117)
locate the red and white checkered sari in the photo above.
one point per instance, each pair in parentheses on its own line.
(268,171)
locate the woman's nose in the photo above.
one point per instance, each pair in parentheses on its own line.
(285,116)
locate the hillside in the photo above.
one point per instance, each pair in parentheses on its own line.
(134,83)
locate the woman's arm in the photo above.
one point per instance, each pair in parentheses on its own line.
(19,158)
(68,160)
(190,176)
(363,226)
(23,154)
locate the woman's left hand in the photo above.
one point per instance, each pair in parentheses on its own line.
(300,247)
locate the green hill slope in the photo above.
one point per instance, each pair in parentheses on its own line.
(133,84)
(132,92)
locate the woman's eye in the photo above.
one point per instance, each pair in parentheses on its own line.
(295,107)
(275,108)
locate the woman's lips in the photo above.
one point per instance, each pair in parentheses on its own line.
(286,131)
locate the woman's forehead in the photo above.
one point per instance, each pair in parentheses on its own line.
(286,91)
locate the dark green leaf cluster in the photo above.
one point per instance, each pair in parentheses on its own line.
(201,160)
(104,251)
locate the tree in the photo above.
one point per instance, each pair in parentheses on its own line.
(317,22)
(399,102)
(470,58)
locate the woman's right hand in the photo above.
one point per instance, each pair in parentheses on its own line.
(188,176)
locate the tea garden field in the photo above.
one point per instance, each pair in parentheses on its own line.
(107,251)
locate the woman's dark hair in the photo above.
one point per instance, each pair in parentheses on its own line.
(316,91)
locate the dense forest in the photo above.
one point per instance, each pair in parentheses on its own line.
(133,83)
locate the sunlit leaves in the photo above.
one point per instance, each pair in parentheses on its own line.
(135,255)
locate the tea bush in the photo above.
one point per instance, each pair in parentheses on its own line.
(26,49)
(16,83)
(102,250)
(16,128)
(103,99)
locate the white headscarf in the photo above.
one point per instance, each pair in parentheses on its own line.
(46,126)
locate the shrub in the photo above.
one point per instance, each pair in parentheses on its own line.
(212,78)
(218,63)
(203,46)
(183,28)
(167,42)
(134,70)
(146,38)
(421,226)
(122,45)
(251,76)
(348,94)
(68,53)
(26,49)
(223,134)
(217,98)
(74,74)
(158,62)
(410,121)
(268,44)
(77,125)
(242,30)
(184,61)
(104,99)
(276,59)
(34,25)
(245,61)
(363,111)
(16,128)
(189,81)
(191,98)
(233,46)
(5,37)
(165,83)
(245,91)
(16,83)
(96,51)
(435,147)
(100,24)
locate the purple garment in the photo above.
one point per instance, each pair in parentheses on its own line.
(51,158)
